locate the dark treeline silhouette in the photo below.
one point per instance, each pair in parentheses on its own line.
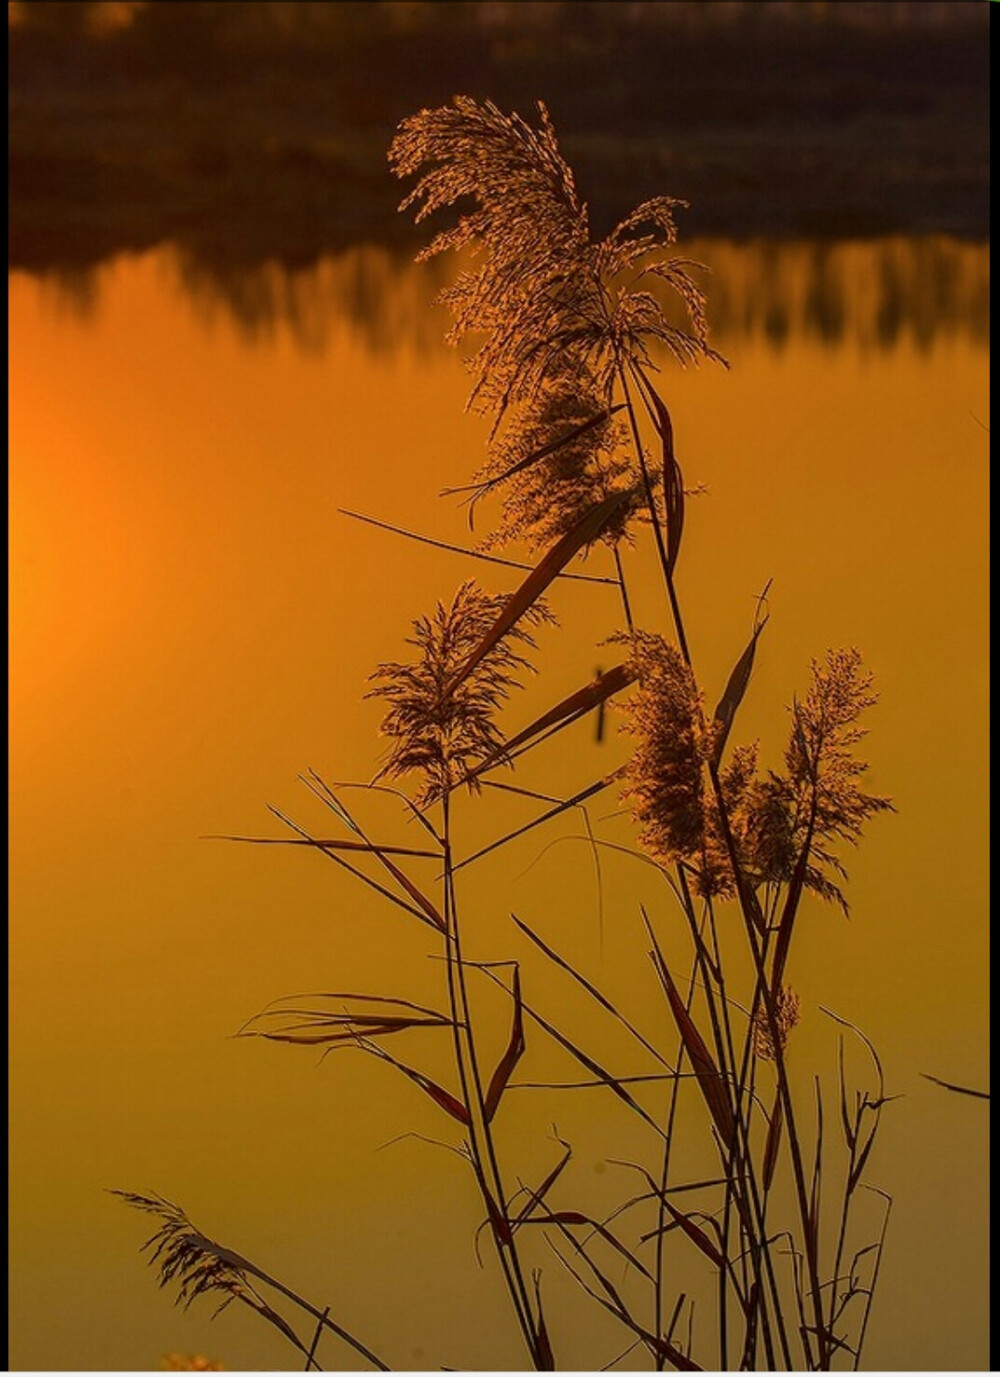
(250,131)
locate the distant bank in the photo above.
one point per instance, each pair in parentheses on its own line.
(253,132)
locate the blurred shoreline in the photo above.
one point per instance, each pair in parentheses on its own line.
(871,294)
(248,133)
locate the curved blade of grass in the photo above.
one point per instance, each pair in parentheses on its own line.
(513,1054)
(576,705)
(464,550)
(734,691)
(369,788)
(673,479)
(444,1098)
(958,1089)
(707,1073)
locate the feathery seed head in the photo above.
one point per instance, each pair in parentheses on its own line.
(438,727)
(663,778)
(786,1016)
(183,1254)
(544,293)
(558,458)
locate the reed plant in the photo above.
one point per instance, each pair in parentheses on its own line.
(581,459)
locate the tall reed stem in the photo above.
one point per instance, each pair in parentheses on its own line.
(481,1145)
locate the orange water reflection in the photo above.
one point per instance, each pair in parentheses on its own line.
(192,623)
(871,294)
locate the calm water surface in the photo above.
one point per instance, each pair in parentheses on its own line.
(192,623)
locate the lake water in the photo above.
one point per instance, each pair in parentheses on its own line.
(192,624)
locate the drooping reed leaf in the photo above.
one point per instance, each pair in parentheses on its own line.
(515,1050)
(958,1089)
(673,479)
(707,1073)
(576,705)
(447,1101)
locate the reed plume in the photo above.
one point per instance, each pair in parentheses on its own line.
(563,315)
(439,727)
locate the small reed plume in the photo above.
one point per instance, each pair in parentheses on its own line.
(786,1016)
(439,725)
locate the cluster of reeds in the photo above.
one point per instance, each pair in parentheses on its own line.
(582,455)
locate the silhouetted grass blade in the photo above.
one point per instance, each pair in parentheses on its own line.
(707,1073)
(510,1058)
(576,705)
(587,530)
(733,695)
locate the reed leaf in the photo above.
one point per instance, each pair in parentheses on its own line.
(328,844)
(480,490)
(733,694)
(577,1217)
(673,479)
(546,1358)
(576,705)
(573,802)
(591,989)
(464,549)
(537,1197)
(695,1233)
(444,1098)
(958,1089)
(585,532)
(773,1142)
(707,1073)
(513,1054)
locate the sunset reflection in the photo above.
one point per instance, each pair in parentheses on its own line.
(193,623)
